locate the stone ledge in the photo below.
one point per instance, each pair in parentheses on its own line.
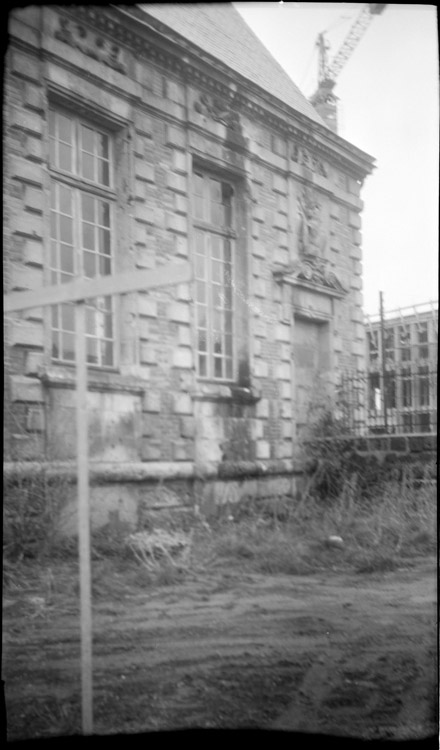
(96,381)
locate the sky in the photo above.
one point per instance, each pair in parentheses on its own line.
(389,107)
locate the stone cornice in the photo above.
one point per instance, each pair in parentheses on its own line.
(152,40)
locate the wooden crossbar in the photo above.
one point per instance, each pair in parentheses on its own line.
(102,286)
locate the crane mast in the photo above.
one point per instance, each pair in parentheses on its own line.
(324,100)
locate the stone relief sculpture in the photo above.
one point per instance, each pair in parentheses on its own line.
(301,155)
(311,239)
(219,110)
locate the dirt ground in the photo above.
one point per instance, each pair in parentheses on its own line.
(334,652)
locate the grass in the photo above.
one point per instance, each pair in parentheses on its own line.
(379,532)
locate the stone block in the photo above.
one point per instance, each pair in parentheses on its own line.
(256,429)
(177,182)
(356,282)
(258,213)
(280,221)
(33,149)
(179,162)
(175,137)
(151,450)
(146,306)
(145,257)
(356,237)
(262,408)
(259,288)
(285,389)
(279,184)
(151,402)
(144,214)
(147,354)
(261,369)
(182,403)
(25,277)
(26,67)
(255,229)
(282,333)
(184,335)
(144,170)
(180,245)
(179,312)
(258,249)
(28,225)
(182,450)
(35,419)
(30,122)
(181,205)
(26,334)
(281,255)
(334,210)
(33,198)
(262,449)
(183,358)
(283,371)
(187,427)
(287,428)
(33,363)
(286,409)
(143,124)
(354,220)
(26,171)
(26,390)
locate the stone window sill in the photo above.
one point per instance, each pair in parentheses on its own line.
(229,393)
(96,380)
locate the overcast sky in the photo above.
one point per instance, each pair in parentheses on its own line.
(388,107)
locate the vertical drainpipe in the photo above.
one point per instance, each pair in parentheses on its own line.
(382,348)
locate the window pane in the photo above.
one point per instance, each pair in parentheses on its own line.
(103,172)
(202,343)
(87,166)
(88,207)
(104,213)
(228,373)
(202,365)
(92,350)
(198,207)
(200,270)
(90,321)
(88,139)
(68,317)
(217,295)
(215,191)
(104,241)
(66,258)
(104,266)
(108,327)
(55,315)
(64,129)
(51,122)
(200,243)
(106,353)
(217,367)
(65,200)
(66,230)
(52,153)
(68,340)
(65,157)
(217,271)
(198,184)
(218,348)
(201,292)
(53,225)
(88,236)
(89,265)
(228,345)
(201,316)
(55,345)
(216,246)
(103,142)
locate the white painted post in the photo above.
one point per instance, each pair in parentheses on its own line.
(83,521)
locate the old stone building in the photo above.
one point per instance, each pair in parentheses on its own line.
(139,135)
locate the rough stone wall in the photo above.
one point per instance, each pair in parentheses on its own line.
(153,408)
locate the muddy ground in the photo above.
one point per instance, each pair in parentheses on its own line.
(335,652)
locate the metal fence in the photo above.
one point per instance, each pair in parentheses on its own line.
(398,401)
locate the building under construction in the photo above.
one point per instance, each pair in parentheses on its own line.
(402,370)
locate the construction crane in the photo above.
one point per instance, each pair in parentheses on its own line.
(324,100)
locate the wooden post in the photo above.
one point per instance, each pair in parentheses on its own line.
(84,521)
(383,355)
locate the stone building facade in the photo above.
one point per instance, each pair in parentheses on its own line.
(137,136)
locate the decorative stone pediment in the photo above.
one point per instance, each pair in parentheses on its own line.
(312,273)
(90,43)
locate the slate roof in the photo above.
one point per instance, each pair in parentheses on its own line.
(220,30)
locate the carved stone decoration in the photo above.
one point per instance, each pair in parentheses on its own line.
(93,45)
(218,109)
(311,239)
(302,156)
(311,272)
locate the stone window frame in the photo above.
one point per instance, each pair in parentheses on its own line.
(86,111)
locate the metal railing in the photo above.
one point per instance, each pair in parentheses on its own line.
(400,401)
